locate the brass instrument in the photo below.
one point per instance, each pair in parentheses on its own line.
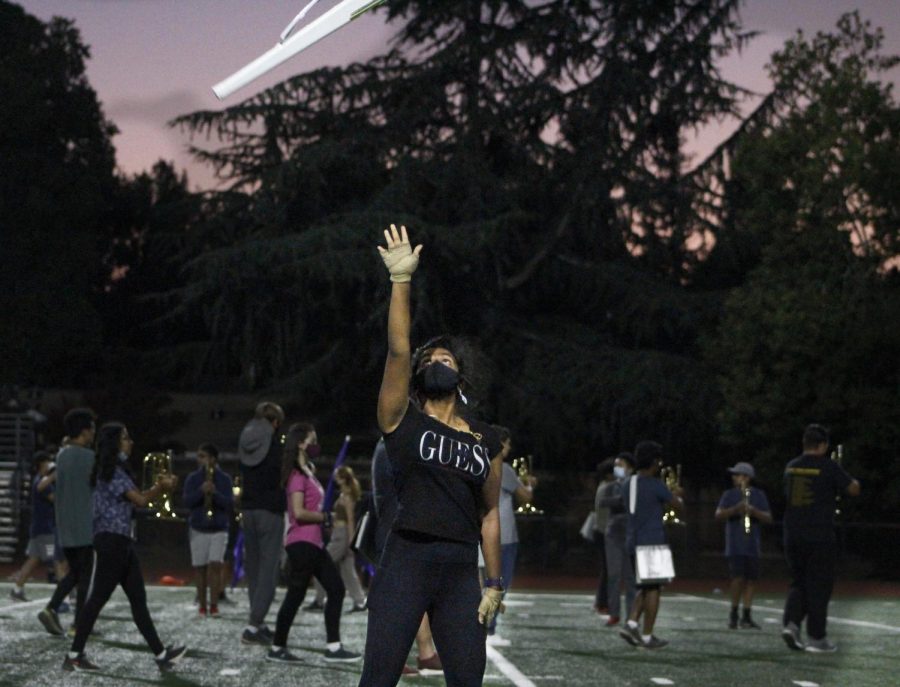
(837,456)
(672,477)
(748,524)
(156,466)
(236,490)
(523,469)
(208,496)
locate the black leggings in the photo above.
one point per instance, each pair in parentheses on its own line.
(308,560)
(81,561)
(417,576)
(116,563)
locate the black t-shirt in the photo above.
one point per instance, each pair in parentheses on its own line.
(811,484)
(440,474)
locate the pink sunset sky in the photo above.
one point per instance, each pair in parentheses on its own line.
(152,60)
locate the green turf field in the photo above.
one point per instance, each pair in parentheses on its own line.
(556,640)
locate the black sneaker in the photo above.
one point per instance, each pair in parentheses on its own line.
(80,664)
(820,646)
(747,623)
(171,657)
(51,623)
(341,656)
(282,655)
(632,635)
(266,634)
(655,643)
(791,636)
(259,637)
(17,594)
(733,621)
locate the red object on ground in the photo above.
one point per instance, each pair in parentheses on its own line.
(169,581)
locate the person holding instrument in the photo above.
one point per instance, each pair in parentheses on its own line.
(448,490)
(208,493)
(114,499)
(743,508)
(811,484)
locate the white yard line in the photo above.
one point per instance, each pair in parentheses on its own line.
(831,618)
(512,673)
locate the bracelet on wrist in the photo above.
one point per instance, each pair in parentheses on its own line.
(496,582)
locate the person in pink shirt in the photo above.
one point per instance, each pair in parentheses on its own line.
(305,548)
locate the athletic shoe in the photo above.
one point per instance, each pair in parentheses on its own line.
(358,608)
(791,636)
(497,640)
(820,646)
(258,637)
(430,666)
(409,671)
(51,623)
(202,612)
(749,624)
(80,664)
(17,594)
(267,634)
(213,611)
(63,607)
(654,643)
(282,655)
(314,606)
(632,635)
(171,657)
(733,622)
(612,620)
(341,656)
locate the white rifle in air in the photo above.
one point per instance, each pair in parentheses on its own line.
(289,45)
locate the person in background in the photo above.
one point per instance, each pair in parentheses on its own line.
(208,494)
(342,533)
(42,530)
(114,499)
(513,491)
(618,562)
(742,548)
(74,520)
(601,518)
(812,482)
(262,502)
(306,550)
(648,499)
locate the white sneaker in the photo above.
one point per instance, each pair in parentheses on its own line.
(497,640)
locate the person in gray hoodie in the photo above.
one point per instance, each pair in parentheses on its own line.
(263,505)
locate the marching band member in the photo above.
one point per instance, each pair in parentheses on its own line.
(743,507)
(208,494)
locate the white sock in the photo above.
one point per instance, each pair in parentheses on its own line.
(252,629)
(632,624)
(162,655)
(333,646)
(646,638)
(72,654)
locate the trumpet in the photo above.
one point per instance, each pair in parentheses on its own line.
(672,477)
(156,466)
(748,524)
(837,456)
(208,497)
(523,469)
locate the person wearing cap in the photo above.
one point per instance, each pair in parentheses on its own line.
(812,482)
(263,503)
(742,548)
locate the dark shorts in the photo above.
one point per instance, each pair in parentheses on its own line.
(744,566)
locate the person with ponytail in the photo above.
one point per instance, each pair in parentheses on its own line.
(448,468)
(306,549)
(114,498)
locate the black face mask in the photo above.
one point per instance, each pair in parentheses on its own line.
(437,380)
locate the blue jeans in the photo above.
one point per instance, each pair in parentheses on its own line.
(419,575)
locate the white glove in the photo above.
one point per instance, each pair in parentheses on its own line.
(491,604)
(399,257)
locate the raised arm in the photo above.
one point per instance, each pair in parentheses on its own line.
(401,261)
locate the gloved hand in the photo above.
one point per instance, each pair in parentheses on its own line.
(399,257)
(491,604)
